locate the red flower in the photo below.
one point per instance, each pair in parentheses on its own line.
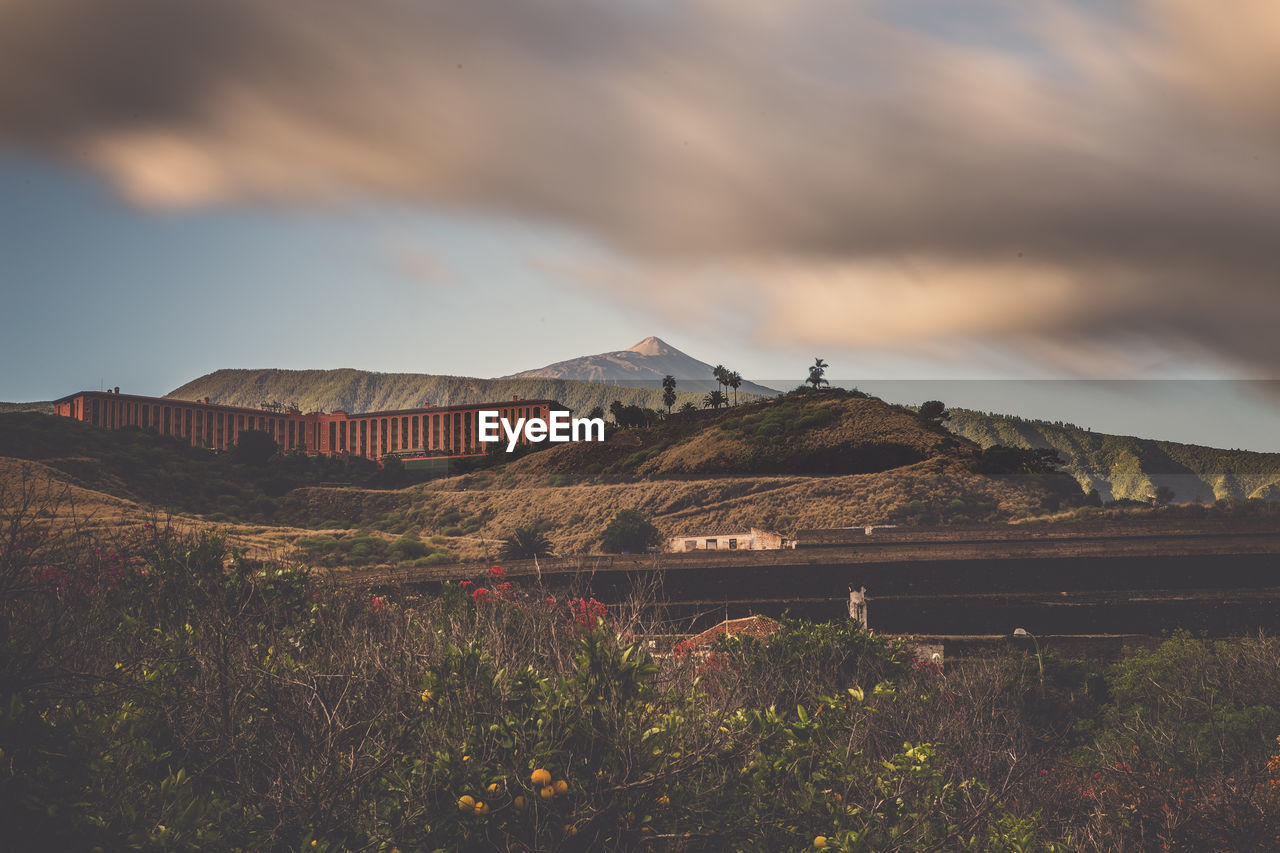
(496,573)
(464,583)
(480,594)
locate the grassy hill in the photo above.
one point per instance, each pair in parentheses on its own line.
(830,459)
(825,434)
(1121,466)
(365,391)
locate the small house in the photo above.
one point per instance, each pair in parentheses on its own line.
(729,539)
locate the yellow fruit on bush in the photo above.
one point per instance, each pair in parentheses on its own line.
(820,842)
(482,808)
(540,778)
(494,789)
(664,800)
(547,792)
(520,803)
(466,803)
(570,829)
(427,696)
(561,786)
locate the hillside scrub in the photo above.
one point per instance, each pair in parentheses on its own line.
(1124,467)
(160,691)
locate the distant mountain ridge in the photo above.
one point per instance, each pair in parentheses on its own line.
(44,406)
(1121,466)
(365,391)
(644,365)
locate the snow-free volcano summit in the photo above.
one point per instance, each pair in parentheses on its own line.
(644,365)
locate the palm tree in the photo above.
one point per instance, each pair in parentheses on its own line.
(815,374)
(669,391)
(688,407)
(734,381)
(719,373)
(715,399)
(525,543)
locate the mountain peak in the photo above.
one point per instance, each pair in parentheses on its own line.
(644,364)
(650,346)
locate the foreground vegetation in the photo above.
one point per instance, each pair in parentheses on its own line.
(162,692)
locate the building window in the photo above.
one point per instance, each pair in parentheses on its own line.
(691,544)
(711,544)
(733,544)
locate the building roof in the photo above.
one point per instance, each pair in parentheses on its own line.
(760,627)
(722,530)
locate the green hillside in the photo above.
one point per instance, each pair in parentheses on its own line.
(1120,466)
(365,391)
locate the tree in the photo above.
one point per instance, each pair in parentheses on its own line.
(629,533)
(668,391)
(715,399)
(998,459)
(816,372)
(1163,496)
(688,407)
(596,412)
(734,381)
(525,543)
(254,447)
(934,412)
(618,410)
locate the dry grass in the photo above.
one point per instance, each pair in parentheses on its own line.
(577,514)
(72,505)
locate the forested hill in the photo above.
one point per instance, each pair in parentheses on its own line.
(365,391)
(1120,466)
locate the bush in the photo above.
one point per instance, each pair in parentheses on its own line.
(629,533)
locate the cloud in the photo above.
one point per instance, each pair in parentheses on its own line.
(1057,173)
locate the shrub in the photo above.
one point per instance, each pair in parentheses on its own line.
(629,533)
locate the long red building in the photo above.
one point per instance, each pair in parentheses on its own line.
(407,433)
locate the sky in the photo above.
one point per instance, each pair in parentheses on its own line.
(913,190)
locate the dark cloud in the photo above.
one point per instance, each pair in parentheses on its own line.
(1072,175)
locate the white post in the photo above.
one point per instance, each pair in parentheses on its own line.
(858,605)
